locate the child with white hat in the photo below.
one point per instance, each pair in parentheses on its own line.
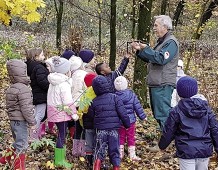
(132,106)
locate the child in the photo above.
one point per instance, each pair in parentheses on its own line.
(50,67)
(88,59)
(38,74)
(60,106)
(193,125)
(132,105)
(105,70)
(107,112)
(68,54)
(20,107)
(180,73)
(87,122)
(78,86)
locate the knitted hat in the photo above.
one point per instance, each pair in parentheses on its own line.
(50,63)
(86,55)
(61,65)
(67,54)
(88,79)
(187,87)
(120,83)
(76,63)
(180,63)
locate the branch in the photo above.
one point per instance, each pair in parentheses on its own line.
(96,16)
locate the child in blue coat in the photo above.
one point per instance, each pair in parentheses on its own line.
(107,111)
(132,106)
(193,125)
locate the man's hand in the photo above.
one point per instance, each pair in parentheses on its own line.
(142,46)
(135,46)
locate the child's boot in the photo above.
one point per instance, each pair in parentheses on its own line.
(51,127)
(90,160)
(7,156)
(97,164)
(132,154)
(60,158)
(121,151)
(72,131)
(116,168)
(19,162)
(42,130)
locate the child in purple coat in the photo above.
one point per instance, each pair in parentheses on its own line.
(193,125)
(132,106)
(107,111)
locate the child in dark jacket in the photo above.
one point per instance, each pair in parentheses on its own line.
(107,111)
(193,126)
(19,104)
(132,106)
(38,73)
(104,70)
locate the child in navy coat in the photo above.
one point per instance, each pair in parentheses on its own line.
(193,125)
(107,111)
(132,106)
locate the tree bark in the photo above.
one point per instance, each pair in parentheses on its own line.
(113,35)
(178,11)
(59,10)
(140,71)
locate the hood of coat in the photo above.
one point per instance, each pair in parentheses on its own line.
(100,85)
(58,78)
(17,71)
(194,107)
(125,95)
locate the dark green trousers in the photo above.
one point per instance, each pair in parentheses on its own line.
(160,99)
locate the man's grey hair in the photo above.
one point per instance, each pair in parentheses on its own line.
(165,20)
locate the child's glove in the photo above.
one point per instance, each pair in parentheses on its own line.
(75,117)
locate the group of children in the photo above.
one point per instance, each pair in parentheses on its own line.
(76,95)
(59,90)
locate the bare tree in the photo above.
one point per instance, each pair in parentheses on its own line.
(206,15)
(163,7)
(59,13)
(178,11)
(113,35)
(140,71)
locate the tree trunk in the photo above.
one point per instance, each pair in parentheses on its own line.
(178,11)
(113,35)
(206,14)
(99,27)
(163,7)
(140,71)
(133,18)
(59,10)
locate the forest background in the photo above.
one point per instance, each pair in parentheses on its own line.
(106,27)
